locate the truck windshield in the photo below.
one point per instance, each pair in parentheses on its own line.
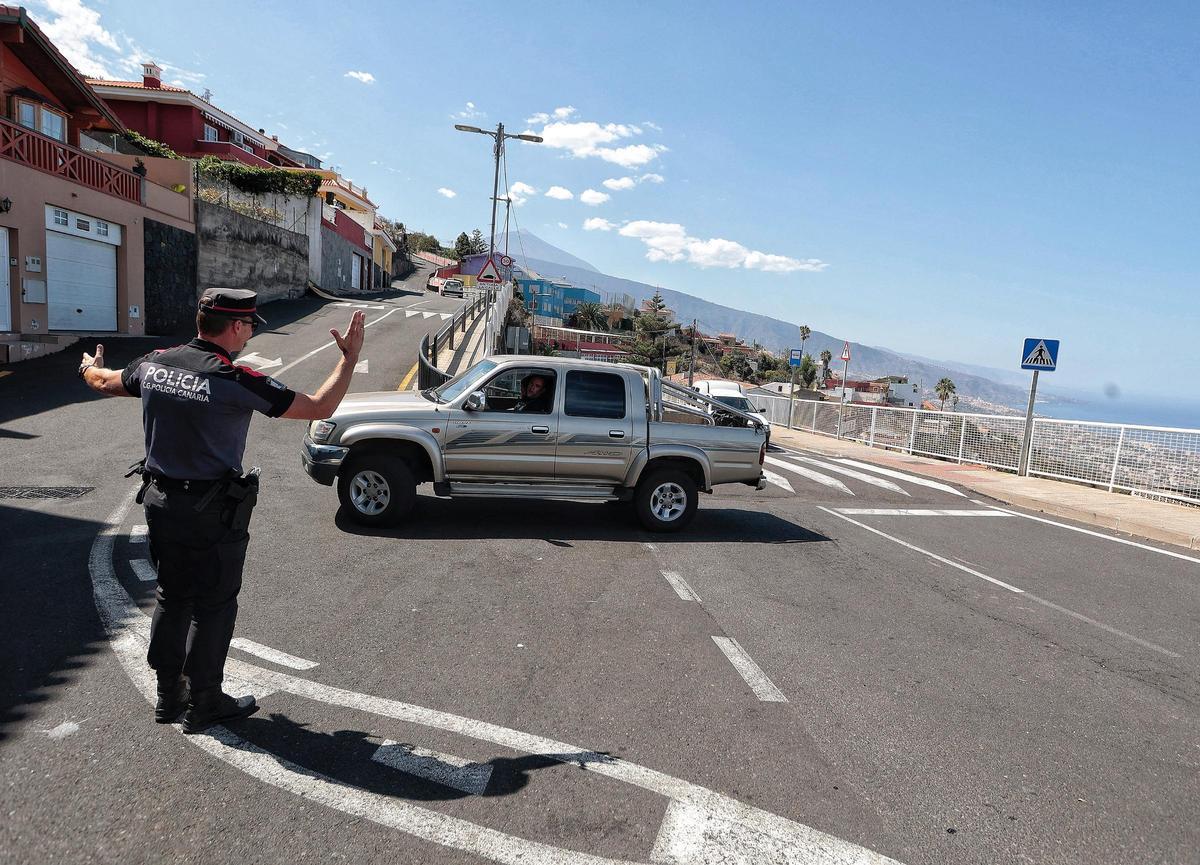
(738,402)
(458,385)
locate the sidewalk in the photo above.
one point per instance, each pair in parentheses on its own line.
(1155,521)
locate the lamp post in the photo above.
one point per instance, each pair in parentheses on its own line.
(498,137)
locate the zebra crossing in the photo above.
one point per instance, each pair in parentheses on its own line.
(795,472)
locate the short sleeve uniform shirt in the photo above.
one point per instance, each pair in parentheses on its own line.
(196,408)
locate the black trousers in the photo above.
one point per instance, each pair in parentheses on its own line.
(199,561)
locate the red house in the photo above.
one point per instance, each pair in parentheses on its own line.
(187,123)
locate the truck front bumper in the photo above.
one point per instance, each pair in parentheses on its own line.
(322,461)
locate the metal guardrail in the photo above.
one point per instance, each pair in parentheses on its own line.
(428,372)
(1158,461)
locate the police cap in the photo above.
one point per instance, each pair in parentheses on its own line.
(231,302)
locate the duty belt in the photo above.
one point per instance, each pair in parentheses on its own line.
(174,485)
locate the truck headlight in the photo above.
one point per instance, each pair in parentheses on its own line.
(321,430)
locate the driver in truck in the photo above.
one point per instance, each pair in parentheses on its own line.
(535,395)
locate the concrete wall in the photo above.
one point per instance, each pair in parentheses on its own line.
(337,261)
(236,251)
(170,277)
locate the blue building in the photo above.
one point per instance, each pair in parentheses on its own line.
(548,298)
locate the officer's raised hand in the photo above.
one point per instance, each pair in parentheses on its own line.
(351,343)
(320,405)
(97,377)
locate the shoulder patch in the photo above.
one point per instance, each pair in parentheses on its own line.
(276,384)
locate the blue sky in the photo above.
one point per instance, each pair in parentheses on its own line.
(940,179)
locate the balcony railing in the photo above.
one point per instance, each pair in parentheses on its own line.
(53,157)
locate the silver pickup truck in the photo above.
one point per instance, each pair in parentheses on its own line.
(525,426)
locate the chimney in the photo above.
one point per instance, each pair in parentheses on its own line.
(151,75)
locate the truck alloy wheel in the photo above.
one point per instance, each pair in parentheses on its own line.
(377,489)
(666,500)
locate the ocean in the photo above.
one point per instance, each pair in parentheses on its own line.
(1165,413)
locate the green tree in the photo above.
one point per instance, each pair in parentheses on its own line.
(736,365)
(462,246)
(944,389)
(419,241)
(807,373)
(479,244)
(826,359)
(589,316)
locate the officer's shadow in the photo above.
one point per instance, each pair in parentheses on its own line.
(346,757)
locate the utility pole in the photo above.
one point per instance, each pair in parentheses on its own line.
(499,137)
(692,365)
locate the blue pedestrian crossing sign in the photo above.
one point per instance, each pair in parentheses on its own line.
(795,357)
(1040,354)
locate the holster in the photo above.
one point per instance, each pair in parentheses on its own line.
(139,468)
(241,495)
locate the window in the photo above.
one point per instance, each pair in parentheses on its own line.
(525,390)
(83,224)
(101,228)
(42,119)
(595,394)
(237,138)
(61,217)
(210,133)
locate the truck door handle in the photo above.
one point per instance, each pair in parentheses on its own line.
(616,434)
(540,429)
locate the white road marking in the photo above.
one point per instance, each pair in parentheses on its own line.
(139,534)
(762,687)
(258,362)
(445,315)
(912,479)
(824,480)
(428,314)
(851,473)
(778,480)
(918,512)
(273,655)
(143,570)
(409,313)
(1080,616)
(362,367)
(925,552)
(332,343)
(1116,540)
(445,769)
(743,827)
(66,728)
(681,587)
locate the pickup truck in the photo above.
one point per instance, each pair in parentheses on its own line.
(525,426)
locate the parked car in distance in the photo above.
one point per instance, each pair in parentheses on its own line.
(434,283)
(452,286)
(730,393)
(525,426)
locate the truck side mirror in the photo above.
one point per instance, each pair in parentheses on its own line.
(476,401)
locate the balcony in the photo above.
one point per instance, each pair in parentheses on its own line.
(35,150)
(229,151)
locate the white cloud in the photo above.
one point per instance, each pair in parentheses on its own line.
(76,32)
(520,193)
(593,197)
(446,193)
(364,77)
(651,178)
(563,225)
(468,113)
(653,126)
(597,223)
(560,192)
(587,138)
(669,241)
(618,183)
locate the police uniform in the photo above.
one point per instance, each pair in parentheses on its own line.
(196,410)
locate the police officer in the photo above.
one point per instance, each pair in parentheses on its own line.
(196,410)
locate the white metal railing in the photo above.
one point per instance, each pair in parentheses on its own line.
(494,333)
(1158,461)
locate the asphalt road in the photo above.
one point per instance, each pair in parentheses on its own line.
(919,681)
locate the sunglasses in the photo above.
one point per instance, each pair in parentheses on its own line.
(253,322)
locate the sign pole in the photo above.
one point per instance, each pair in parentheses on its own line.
(1023,469)
(791,398)
(845,377)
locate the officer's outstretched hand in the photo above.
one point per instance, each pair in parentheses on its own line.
(93,360)
(351,343)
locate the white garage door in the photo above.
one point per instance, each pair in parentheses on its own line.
(81,283)
(5,295)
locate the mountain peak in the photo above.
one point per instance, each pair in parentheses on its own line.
(523,244)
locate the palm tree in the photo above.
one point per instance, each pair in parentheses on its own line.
(805,333)
(826,359)
(944,388)
(590,316)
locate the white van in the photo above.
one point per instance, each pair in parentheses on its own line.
(731,394)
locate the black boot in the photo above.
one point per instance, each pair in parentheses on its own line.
(173,699)
(216,707)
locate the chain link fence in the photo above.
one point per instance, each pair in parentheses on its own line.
(1152,461)
(284,211)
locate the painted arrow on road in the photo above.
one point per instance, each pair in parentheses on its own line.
(260,363)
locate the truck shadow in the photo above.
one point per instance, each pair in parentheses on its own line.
(441,519)
(345,756)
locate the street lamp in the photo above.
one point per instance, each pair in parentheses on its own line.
(498,137)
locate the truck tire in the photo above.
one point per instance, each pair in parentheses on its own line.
(377,489)
(666,500)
